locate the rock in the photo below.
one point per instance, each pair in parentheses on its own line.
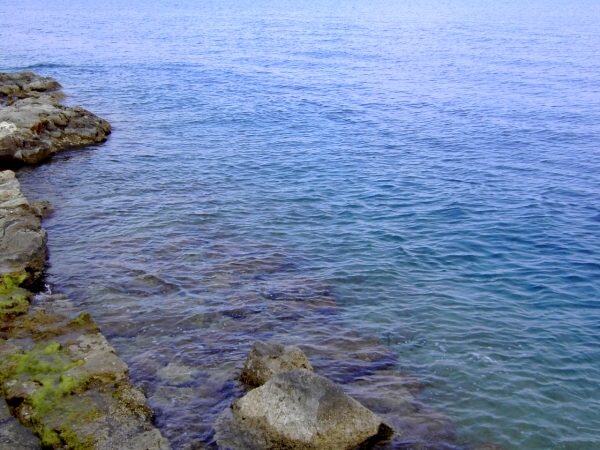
(22,238)
(41,208)
(14,86)
(176,373)
(267,359)
(65,381)
(34,126)
(58,373)
(299,409)
(13,435)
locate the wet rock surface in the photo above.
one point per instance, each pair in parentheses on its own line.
(299,409)
(22,238)
(268,358)
(33,123)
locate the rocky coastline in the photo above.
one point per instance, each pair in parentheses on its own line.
(63,386)
(59,375)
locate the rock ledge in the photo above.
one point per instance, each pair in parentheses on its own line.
(33,123)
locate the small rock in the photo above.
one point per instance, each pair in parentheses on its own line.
(299,409)
(175,373)
(267,359)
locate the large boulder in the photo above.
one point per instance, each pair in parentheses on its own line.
(267,359)
(34,126)
(299,409)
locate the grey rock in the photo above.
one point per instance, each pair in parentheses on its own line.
(34,126)
(14,86)
(22,239)
(177,373)
(13,435)
(101,410)
(299,409)
(267,359)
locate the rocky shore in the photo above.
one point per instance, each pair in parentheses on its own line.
(34,125)
(63,386)
(60,377)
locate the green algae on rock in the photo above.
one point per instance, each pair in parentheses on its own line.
(58,374)
(61,378)
(14,300)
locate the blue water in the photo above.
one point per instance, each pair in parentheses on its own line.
(431,166)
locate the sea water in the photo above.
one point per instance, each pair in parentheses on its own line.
(431,167)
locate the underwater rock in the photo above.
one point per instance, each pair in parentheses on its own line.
(267,359)
(299,409)
(176,373)
(22,238)
(34,126)
(41,208)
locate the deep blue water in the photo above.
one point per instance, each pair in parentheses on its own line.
(433,166)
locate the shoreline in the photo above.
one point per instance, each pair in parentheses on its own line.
(59,375)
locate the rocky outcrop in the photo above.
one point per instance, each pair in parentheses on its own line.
(267,359)
(299,409)
(64,380)
(34,125)
(22,238)
(19,85)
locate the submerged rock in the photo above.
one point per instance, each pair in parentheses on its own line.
(34,126)
(299,409)
(22,238)
(267,359)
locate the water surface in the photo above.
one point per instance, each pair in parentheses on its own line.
(403,187)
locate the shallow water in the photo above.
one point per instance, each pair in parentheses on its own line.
(406,188)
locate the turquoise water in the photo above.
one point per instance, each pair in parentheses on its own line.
(432,168)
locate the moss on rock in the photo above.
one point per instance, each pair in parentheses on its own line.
(36,382)
(14,300)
